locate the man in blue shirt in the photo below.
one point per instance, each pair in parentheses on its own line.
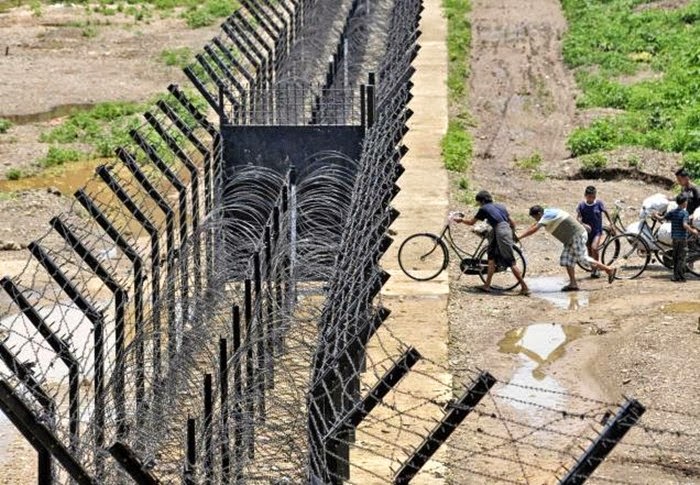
(501,241)
(679,234)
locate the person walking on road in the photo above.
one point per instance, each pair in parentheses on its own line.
(500,249)
(572,235)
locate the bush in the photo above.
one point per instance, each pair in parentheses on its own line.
(599,136)
(14,174)
(691,162)
(592,164)
(5,125)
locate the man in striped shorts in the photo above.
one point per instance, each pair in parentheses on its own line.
(572,235)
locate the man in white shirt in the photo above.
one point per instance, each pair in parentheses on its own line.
(572,235)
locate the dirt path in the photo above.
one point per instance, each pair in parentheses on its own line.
(606,340)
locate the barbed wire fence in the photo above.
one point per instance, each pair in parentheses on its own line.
(187,321)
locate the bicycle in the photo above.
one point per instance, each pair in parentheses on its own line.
(632,252)
(423,256)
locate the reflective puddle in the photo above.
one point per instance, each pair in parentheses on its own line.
(67,179)
(549,288)
(537,346)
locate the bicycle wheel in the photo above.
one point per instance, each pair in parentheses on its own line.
(423,256)
(629,253)
(605,237)
(503,279)
(693,259)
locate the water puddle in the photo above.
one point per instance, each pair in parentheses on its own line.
(549,288)
(67,179)
(537,346)
(682,307)
(56,112)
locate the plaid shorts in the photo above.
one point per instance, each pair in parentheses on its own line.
(575,251)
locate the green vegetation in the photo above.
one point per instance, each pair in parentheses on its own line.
(59,156)
(532,164)
(592,164)
(457,143)
(106,126)
(14,174)
(611,39)
(4,125)
(456,147)
(179,57)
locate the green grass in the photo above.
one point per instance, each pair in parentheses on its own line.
(5,125)
(457,144)
(60,156)
(14,174)
(609,39)
(593,163)
(456,148)
(180,57)
(106,127)
(532,164)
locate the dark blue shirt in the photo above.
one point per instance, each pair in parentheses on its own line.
(678,217)
(492,213)
(592,215)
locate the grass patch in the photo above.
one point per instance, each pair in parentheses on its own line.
(533,165)
(609,39)
(457,144)
(106,127)
(5,125)
(14,174)
(456,148)
(59,156)
(592,164)
(180,57)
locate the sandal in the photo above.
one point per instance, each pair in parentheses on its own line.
(483,289)
(525,293)
(570,288)
(611,276)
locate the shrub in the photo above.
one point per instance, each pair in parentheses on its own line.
(533,162)
(5,125)
(691,162)
(14,174)
(599,136)
(592,164)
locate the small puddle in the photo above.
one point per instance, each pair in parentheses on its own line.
(67,179)
(682,307)
(549,288)
(56,112)
(536,345)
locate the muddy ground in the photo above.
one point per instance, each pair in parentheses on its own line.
(634,338)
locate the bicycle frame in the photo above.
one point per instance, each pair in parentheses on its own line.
(446,236)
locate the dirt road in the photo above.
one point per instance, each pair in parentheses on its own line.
(635,338)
